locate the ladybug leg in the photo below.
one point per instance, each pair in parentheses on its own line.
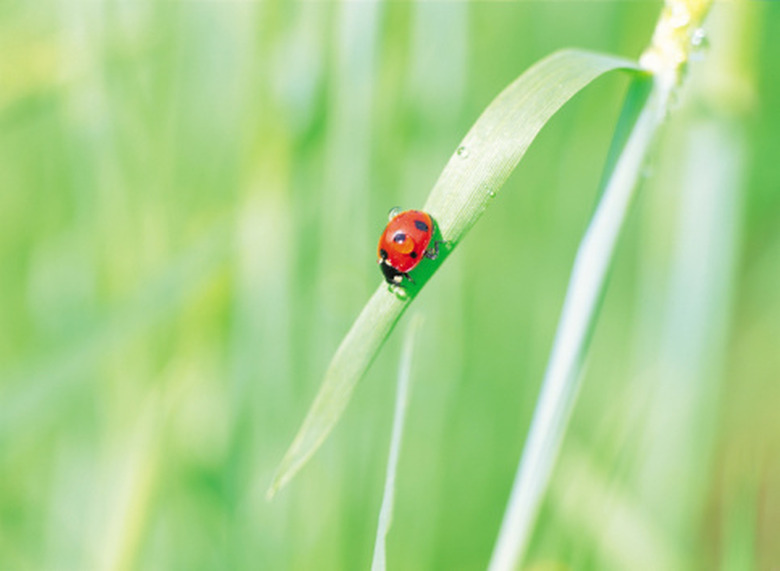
(408,277)
(434,253)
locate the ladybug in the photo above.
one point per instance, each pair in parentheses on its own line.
(404,243)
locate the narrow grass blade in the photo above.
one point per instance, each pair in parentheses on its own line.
(475,173)
(379,562)
(585,292)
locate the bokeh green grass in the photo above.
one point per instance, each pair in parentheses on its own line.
(190,196)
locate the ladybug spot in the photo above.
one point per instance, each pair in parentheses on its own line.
(399,237)
(420,225)
(413,255)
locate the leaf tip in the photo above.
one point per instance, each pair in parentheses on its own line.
(283,474)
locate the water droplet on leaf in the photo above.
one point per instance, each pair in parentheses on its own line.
(463,152)
(699,38)
(700,43)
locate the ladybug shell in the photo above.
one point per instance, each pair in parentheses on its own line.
(405,239)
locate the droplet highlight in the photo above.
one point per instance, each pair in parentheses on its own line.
(699,42)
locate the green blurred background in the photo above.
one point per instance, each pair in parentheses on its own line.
(191,195)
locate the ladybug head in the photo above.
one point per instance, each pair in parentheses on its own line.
(392,276)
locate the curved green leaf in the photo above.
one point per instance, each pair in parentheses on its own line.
(475,173)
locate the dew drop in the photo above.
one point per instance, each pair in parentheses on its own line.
(699,38)
(492,194)
(394,211)
(463,152)
(700,43)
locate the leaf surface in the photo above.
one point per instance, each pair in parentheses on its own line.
(473,176)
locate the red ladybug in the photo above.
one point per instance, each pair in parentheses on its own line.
(404,243)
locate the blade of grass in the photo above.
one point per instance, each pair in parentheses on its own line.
(472,177)
(585,291)
(665,58)
(379,562)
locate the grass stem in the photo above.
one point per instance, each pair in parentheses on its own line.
(585,291)
(379,562)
